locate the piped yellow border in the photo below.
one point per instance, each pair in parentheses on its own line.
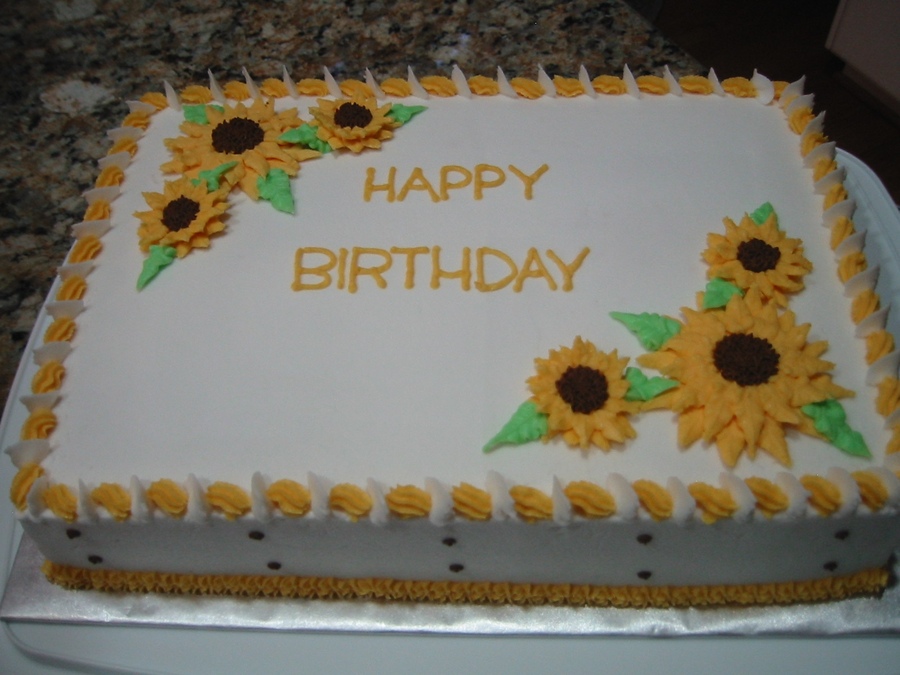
(867,582)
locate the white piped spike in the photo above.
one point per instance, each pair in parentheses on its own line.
(674,88)
(197,508)
(119,159)
(546,83)
(792,91)
(334,89)
(87,510)
(34,500)
(374,86)
(683,504)
(742,495)
(172,97)
(626,498)
(32,451)
(804,101)
(441,502)
(259,503)
(797,495)
(140,106)
(848,489)
(631,85)
(319,490)
(417,90)
(379,514)
(81,269)
(504,85)
(215,89)
(562,507)
(52,351)
(886,366)
(586,83)
(67,309)
(140,511)
(34,402)
(716,85)
(251,85)
(765,89)
(289,82)
(459,79)
(502,504)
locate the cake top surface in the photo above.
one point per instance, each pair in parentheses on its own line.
(389,326)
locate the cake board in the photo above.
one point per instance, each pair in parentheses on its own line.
(32,607)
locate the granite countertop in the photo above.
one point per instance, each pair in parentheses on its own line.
(69,65)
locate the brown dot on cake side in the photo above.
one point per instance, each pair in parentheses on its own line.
(95,559)
(72,533)
(256,535)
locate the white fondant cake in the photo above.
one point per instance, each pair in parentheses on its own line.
(381,334)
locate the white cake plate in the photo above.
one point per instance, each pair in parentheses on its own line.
(47,628)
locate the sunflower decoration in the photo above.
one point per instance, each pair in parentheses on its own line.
(357,123)
(241,146)
(744,375)
(582,394)
(757,253)
(181,218)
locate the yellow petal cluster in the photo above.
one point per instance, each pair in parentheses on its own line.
(743,418)
(378,128)
(725,261)
(601,427)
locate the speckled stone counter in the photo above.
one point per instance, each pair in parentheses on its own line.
(69,65)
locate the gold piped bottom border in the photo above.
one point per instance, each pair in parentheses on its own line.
(866,582)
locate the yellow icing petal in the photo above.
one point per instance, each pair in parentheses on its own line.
(350,499)
(61,501)
(531,504)
(228,499)
(114,498)
(22,482)
(655,499)
(590,500)
(471,502)
(168,497)
(409,501)
(291,498)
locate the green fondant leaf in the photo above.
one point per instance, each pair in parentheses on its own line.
(306,135)
(762,214)
(718,292)
(527,424)
(404,113)
(197,113)
(159,258)
(275,187)
(830,420)
(212,176)
(644,388)
(651,330)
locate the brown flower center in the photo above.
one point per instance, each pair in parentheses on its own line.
(179,213)
(758,256)
(746,359)
(584,389)
(351,114)
(236,135)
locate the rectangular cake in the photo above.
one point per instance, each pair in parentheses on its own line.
(610,341)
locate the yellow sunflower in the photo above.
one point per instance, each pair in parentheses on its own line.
(744,374)
(582,392)
(758,255)
(184,216)
(248,136)
(354,123)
